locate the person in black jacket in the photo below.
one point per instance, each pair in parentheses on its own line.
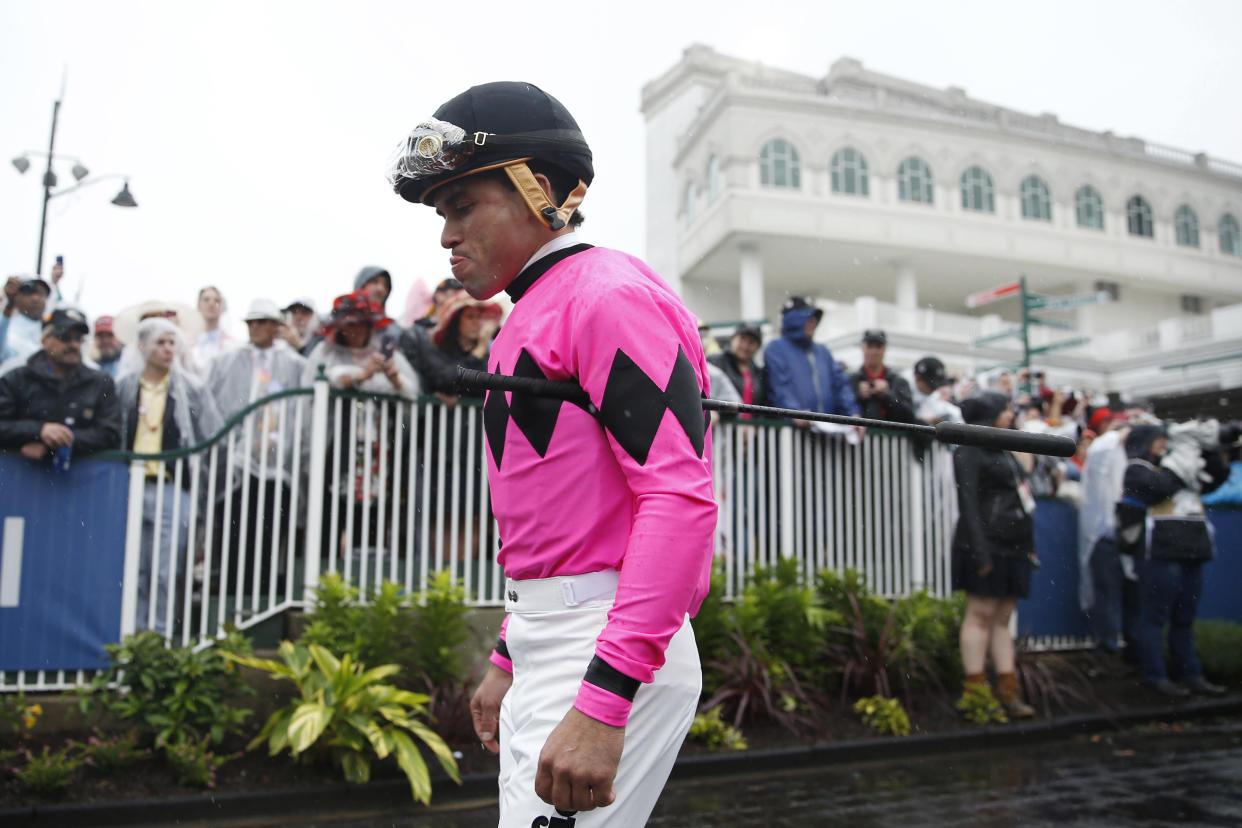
(738,364)
(882,394)
(54,400)
(993,550)
(1160,521)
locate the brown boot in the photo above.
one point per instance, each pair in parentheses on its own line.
(1007,692)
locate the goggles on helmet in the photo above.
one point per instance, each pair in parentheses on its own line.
(431,148)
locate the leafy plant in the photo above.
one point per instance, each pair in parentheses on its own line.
(193,763)
(710,730)
(978,705)
(106,754)
(16,714)
(1219,646)
(176,694)
(439,629)
(756,685)
(869,639)
(1051,681)
(712,625)
(785,615)
(346,710)
(50,772)
(884,716)
(371,630)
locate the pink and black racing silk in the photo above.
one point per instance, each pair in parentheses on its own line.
(628,487)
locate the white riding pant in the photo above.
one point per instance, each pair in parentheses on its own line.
(553,625)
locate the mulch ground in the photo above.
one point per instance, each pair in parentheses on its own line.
(1082,686)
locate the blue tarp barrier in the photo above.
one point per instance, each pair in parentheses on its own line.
(1052,608)
(62,559)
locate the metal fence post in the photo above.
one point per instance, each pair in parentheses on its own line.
(918,559)
(317,462)
(784,448)
(133,548)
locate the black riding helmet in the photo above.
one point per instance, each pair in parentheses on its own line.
(498,125)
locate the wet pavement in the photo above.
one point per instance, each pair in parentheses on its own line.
(1157,775)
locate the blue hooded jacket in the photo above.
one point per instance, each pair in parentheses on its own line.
(790,380)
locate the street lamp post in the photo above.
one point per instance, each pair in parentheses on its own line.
(123,199)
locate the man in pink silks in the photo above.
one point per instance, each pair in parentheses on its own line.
(606,517)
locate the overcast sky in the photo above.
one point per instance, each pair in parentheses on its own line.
(255,134)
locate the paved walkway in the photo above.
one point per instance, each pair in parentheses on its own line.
(1158,775)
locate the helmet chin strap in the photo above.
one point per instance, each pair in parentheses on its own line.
(555,217)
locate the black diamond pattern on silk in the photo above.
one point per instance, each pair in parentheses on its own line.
(534,416)
(634,405)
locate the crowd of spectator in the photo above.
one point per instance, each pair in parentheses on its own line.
(164,376)
(1140,487)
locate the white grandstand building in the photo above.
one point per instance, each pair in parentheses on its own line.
(889,202)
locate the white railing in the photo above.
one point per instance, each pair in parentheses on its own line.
(378,488)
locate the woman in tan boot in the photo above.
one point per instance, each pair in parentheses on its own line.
(993,548)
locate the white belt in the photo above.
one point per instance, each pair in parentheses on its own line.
(551,594)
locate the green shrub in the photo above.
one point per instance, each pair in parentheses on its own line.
(174,694)
(370,630)
(708,729)
(106,754)
(785,615)
(438,630)
(193,763)
(885,716)
(978,705)
(50,772)
(345,710)
(1219,645)
(712,627)
(754,684)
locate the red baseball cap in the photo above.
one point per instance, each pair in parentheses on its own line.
(1099,417)
(103,324)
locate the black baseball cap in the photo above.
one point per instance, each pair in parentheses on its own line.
(747,329)
(932,371)
(875,335)
(794,303)
(64,320)
(449,284)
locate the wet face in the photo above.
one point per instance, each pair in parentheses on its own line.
(489,231)
(108,346)
(210,304)
(162,351)
(744,347)
(263,332)
(64,350)
(356,334)
(377,289)
(810,326)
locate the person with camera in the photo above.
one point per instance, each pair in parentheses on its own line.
(1161,523)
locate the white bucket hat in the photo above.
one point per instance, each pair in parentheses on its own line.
(263,309)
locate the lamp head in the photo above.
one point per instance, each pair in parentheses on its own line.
(125,198)
(79,172)
(22,163)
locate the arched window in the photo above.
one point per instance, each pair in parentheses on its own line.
(914,181)
(713,178)
(1230,235)
(779,165)
(1138,217)
(1186,225)
(977,191)
(1036,203)
(1090,207)
(690,203)
(849,172)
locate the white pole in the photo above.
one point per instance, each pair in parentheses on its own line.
(133,547)
(314,487)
